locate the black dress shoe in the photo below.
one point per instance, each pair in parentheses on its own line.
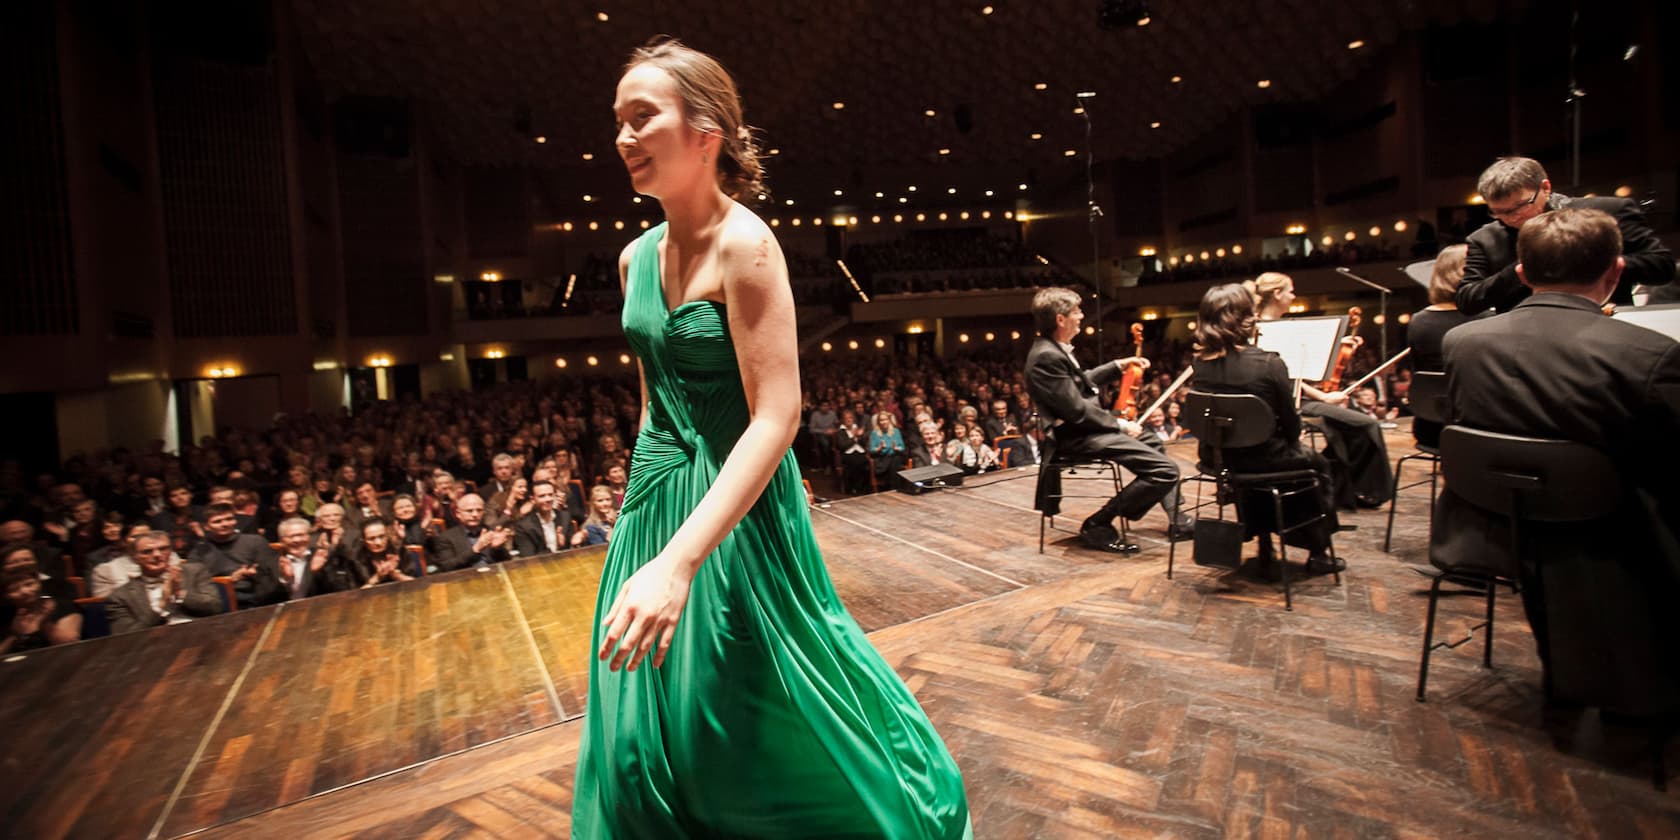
(1109,541)
(1184,530)
(1324,564)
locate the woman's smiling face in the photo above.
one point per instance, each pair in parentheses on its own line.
(661,151)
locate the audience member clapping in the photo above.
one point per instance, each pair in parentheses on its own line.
(33,613)
(603,515)
(163,593)
(470,543)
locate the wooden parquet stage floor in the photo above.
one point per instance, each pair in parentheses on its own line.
(1083,695)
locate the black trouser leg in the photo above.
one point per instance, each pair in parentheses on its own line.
(1154,474)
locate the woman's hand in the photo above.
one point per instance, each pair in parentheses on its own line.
(643,617)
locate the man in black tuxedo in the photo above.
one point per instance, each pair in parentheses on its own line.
(469,543)
(548,527)
(1556,367)
(1068,396)
(1517,191)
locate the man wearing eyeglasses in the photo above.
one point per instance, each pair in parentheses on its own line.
(1516,190)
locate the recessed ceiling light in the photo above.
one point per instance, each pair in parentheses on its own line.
(1355,44)
(1264,83)
(588,156)
(638,199)
(1040,86)
(930,112)
(839,192)
(1143,21)
(541,139)
(903,200)
(988,193)
(588,198)
(985,10)
(911,188)
(1037,136)
(944,151)
(1176,79)
(951,191)
(1020,186)
(880,195)
(1069,152)
(1155,124)
(1079,110)
(839,106)
(789,202)
(775,151)
(601,16)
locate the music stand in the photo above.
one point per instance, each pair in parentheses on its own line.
(1659,317)
(1420,271)
(1306,345)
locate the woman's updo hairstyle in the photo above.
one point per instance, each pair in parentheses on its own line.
(713,105)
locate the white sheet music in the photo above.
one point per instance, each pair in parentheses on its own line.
(1307,345)
(1663,318)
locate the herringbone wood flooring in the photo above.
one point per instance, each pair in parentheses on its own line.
(1085,696)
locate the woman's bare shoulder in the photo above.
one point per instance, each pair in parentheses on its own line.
(748,246)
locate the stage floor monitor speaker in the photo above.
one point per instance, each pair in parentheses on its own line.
(923,479)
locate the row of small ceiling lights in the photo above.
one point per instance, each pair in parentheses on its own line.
(881,343)
(817,221)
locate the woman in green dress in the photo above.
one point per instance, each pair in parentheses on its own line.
(765,712)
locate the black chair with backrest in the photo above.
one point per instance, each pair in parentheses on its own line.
(1526,480)
(1077,468)
(1429,402)
(1236,421)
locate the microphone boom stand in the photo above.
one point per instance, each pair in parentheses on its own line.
(1382,308)
(1083,99)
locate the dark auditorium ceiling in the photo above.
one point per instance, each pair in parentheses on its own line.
(476,66)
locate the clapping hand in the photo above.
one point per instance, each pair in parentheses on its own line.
(643,617)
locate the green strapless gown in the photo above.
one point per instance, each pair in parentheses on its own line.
(772,715)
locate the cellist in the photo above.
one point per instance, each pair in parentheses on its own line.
(1353,441)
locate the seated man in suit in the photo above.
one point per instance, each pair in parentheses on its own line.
(548,527)
(162,594)
(1517,191)
(300,567)
(1068,395)
(469,543)
(1556,367)
(246,558)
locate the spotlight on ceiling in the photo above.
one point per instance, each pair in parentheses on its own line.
(1122,14)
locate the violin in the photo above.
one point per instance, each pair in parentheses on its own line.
(1125,402)
(1344,354)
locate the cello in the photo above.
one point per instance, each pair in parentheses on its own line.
(1125,402)
(1344,354)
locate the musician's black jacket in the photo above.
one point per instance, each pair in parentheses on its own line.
(1490,265)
